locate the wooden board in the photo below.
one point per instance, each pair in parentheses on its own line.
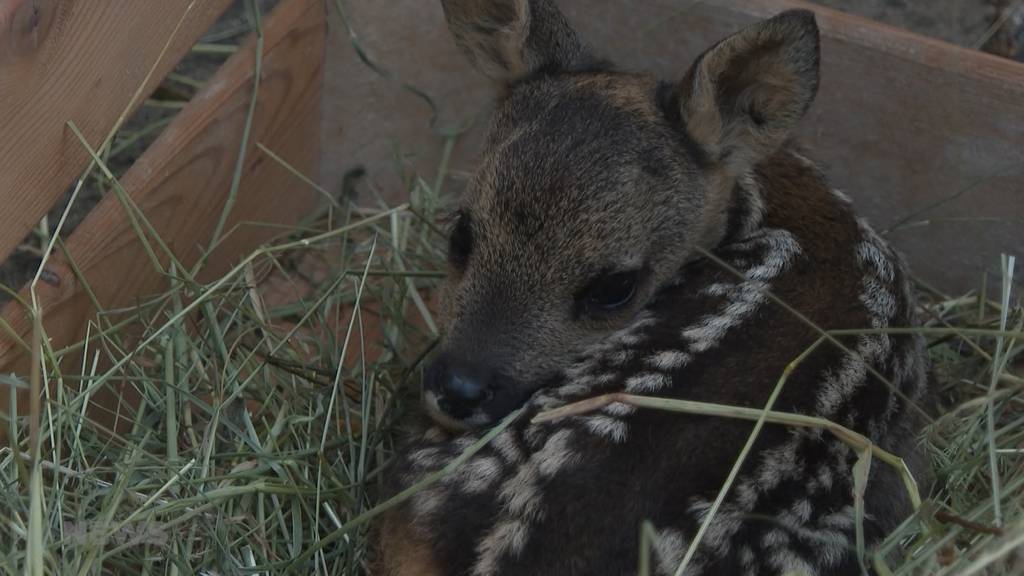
(902,121)
(182,181)
(78,60)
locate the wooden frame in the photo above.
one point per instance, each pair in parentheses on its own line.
(182,182)
(56,66)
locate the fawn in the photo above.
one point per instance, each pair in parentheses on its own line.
(624,234)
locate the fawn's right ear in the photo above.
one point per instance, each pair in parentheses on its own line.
(509,39)
(744,96)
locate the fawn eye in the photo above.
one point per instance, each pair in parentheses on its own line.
(460,242)
(609,292)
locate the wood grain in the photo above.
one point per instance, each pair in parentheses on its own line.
(901,121)
(77,60)
(182,181)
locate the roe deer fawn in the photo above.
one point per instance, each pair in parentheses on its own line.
(587,258)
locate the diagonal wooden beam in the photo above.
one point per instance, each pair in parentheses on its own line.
(182,182)
(83,61)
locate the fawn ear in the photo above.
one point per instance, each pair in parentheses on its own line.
(509,39)
(742,98)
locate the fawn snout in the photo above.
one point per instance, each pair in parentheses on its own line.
(461,392)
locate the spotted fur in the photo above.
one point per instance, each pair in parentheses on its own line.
(568,497)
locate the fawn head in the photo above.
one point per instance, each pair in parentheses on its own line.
(593,189)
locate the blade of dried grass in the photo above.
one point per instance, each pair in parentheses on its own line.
(998,364)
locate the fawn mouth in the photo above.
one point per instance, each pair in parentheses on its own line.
(462,393)
(450,423)
(486,414)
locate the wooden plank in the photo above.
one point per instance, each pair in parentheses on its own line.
(78,60)
(182,181)
(902,121)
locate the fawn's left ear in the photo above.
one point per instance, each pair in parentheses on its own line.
(743,97)
(509,39)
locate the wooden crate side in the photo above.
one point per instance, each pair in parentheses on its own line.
(901,122)
(182,181)
(927,137)
(77,60)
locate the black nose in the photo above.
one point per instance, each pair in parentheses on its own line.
(459,387)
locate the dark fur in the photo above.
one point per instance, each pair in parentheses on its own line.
(588,170)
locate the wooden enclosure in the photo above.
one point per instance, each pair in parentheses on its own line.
(928,138)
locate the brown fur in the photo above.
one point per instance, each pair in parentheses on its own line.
(629,93)
(601,172)
(589,173)
(406,553)
(744,95)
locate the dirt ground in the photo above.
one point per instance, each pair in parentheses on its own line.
(996,26)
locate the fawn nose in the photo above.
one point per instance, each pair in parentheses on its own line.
(460,389)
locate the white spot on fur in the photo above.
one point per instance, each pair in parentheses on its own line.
(427,502)
(619,409)
(803,159)
(668,360)
(583,376)
(545,402)
(747,559)
(746,495)
(607,427)
(620,358)
(839,387)
(871,254)
(778,248)
(556,454)
(831,546)
(774,538)
(643,320)
(581,370)
(435,434)
(719,289)
(572,390)
(843,519)
(879,301)
(718,536)
(521,499)
(802,510)
(521,494)
(507,447)
(478,475)
(508,537)
(751,192)
(825,476)
(627,339)
(647,382)
(842,196)
(669,548)
(786,561)
(428,458)
(464,443)
(778,464)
